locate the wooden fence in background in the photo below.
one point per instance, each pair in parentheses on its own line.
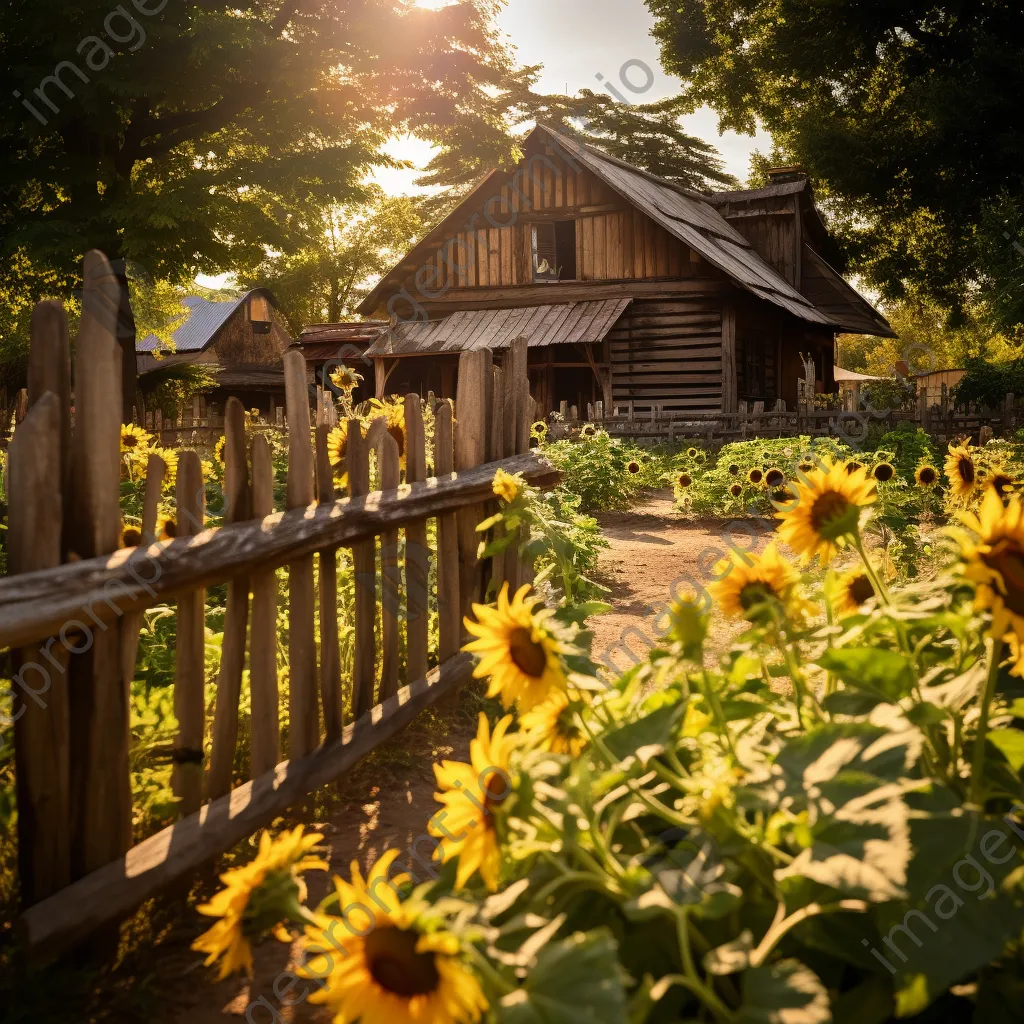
(71,610)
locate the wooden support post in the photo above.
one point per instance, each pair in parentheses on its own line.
(190,647)
(330,655)
(496,452)
(417,556)
(471,435)
(729,375)
(39,687)
(448,602)
(238,504)
(100,793)
(303,716)
(363,670)
(263,690)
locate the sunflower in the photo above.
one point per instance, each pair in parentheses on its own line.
(518,650)
(131,537)
(589,430)
(775,477)
(852,591)
(755,476)
(472,794)
(633,467)
(684,480)
(506,486)
(692,453)
(167,529)
(753,582)
(995,562)
(805,467)
(337,452)
(1002,482)
(852,466)
(926,476)
(170,458)
(218,449)
(539,430)
(884,472)
(257,899)
(554,725)
(961,470)
(399,966)
(394,416)
(826,511)
(734,470)
(134,440)
(736,490)
(344,378)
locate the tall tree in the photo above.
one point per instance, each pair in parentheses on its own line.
(647,135)
(178,133)
(910,113)
(334,254)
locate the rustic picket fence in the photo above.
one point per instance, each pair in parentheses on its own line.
(72,609)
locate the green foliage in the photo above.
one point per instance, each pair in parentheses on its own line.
(903,113)
(596,470)
(319,271)
(896,393)
(909,448)
(988,384)
(171,388)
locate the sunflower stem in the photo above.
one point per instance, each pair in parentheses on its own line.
(876,581)
(995,655)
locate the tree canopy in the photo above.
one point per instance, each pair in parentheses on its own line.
(909,112)
(180,135)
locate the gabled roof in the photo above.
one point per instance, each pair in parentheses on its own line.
(693,220)
(570,323)
(830,292)
(205,319)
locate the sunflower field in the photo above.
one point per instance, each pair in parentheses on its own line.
(823,824)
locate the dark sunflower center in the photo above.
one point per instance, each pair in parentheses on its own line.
(685,481)
(396,966)
(735,490)
(1007,559)
(965,467)
(399,435)
(775,477)
(861,590)
(496,788)
(928,476)
(883,472)
(528,655)
(1001,482)
(754,594)
(129,440)
(756,476)
(734,469)
(827,508)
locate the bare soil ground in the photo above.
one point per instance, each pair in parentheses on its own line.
(654,555)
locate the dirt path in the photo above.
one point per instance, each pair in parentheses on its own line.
(654,554)
(657,555)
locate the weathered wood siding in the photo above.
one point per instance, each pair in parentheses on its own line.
(773,228)
(668,352)
(614,241)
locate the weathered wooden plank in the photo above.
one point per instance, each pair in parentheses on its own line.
(448,602)
(190,647)
(265,729)
(59,923)
(238,508)
(390,573)
(330,654)
(39,688)
(417,555)
(471,451)
(101,799)
(364,567)
(37,604)
(730,394)
(303,711)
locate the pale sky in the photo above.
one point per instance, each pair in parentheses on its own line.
(576,40)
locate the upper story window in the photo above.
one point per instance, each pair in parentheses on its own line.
(554,251)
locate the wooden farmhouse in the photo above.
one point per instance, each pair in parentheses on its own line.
(629,289)
(244,340)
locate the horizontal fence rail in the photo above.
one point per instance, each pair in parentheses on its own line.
(72,610)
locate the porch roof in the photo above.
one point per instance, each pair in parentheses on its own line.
(570,323)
